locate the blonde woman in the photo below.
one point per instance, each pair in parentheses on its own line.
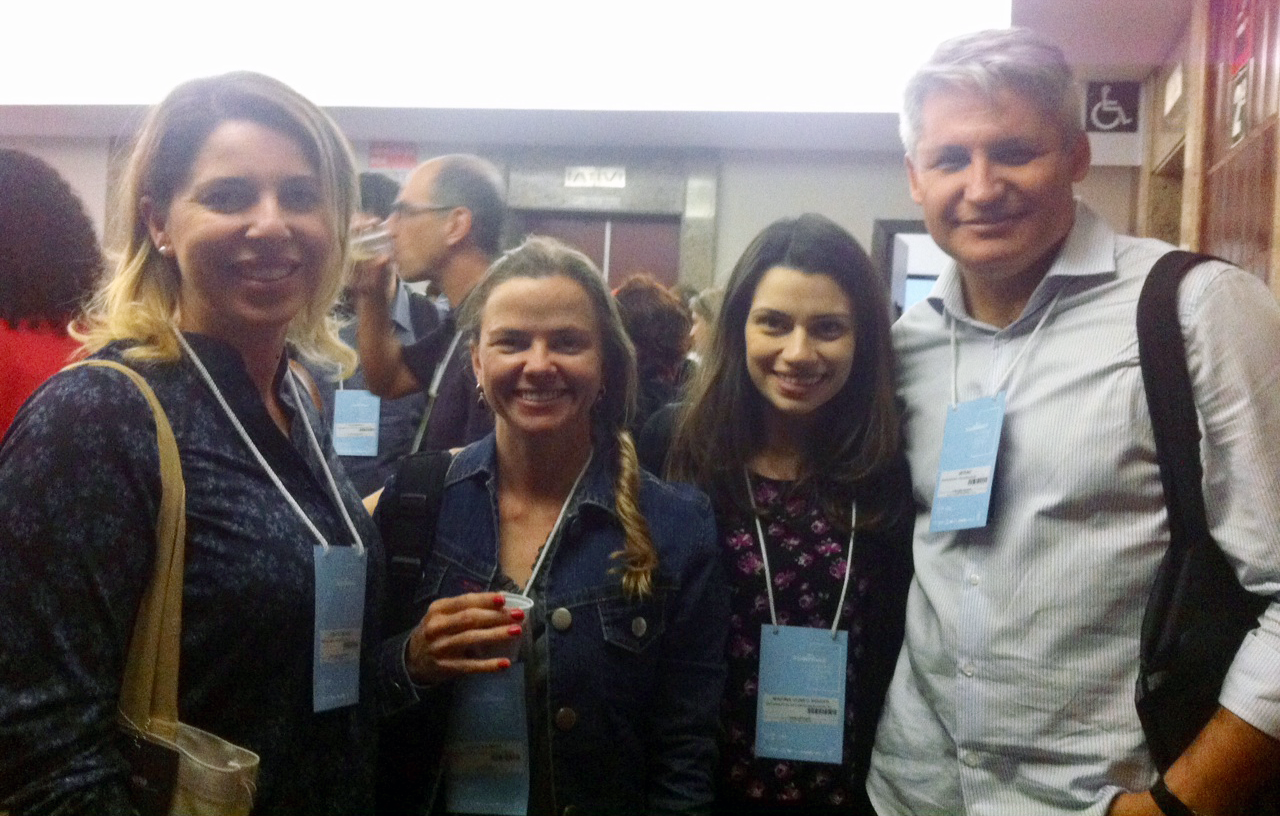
(623,662)
(234,211)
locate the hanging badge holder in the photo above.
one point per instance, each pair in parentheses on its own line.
(355,422)
(487,753)
(487,740)
(800,708)
(339,621)
(970,445)
(800,704)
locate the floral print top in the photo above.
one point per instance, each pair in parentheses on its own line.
(807,555)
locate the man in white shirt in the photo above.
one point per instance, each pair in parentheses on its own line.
(1014,693)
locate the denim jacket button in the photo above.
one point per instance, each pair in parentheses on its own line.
(566,718)
(639,626)
(561,619)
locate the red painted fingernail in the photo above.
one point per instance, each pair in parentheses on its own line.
(514,630)
(504,663)
(517,614)
(499,601)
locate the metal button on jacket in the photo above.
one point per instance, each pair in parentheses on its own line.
(561,619)
(639,626)
(566,718)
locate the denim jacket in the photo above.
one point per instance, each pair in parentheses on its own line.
(625,693)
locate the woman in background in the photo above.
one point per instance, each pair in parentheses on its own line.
(49,264)
(792,431)
(658,325)
(624,660)
(234,210)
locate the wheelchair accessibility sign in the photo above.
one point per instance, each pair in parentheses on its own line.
(1112,107)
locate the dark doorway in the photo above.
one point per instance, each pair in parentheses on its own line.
(621,245)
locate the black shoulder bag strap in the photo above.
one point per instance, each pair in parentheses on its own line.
(1197,613)
(408,527)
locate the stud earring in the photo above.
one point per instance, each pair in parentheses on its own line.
(480,396)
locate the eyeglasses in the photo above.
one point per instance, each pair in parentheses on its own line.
(404,209)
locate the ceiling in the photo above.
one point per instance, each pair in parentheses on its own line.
(1109,39)
(1104,39)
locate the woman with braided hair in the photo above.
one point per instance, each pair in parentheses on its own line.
(623,658)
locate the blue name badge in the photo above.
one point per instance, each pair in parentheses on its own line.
(800,709)
(340,576)
(970,445)
(487,745)
(355,422)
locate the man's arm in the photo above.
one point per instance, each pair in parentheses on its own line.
(1231,325)
(1221,770)
(381,354)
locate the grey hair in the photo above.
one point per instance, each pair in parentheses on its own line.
(987,62)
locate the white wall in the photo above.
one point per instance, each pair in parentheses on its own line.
(852,190)
(82,162)
(756,188)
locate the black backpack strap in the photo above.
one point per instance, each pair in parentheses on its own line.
(407,521)
(1197,612)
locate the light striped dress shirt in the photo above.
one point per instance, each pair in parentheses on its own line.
(1014,691)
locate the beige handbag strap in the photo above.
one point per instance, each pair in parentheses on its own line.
(149,692)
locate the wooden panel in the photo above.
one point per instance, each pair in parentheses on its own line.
(1239,195)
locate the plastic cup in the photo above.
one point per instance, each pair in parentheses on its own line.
(371,243)
(510,648)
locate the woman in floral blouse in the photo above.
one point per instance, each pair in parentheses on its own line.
(792,430)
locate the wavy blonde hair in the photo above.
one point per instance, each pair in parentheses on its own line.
(139,299)
(540,257)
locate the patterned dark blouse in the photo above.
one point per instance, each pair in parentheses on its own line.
(807,555)
(79,491)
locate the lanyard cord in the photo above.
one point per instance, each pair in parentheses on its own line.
(555,528)
(324,464)
(1008,372)
(433,390)
(768,578)
(262,462)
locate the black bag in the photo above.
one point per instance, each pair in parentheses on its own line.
(409,743)
(1197,614)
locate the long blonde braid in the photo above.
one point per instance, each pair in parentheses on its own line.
(637,551)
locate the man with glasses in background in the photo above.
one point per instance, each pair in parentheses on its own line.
(445,228)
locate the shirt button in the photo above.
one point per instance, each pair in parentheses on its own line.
(566,718)
(639,626)
(967,669)
(561,619)
(971,759)
(973,579)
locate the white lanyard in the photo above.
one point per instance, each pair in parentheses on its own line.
(1008,372)
(555,528)
(315,447)
(433,390)
(764,557)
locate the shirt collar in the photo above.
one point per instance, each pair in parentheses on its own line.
(1089,251)
(480,460)
(400,314)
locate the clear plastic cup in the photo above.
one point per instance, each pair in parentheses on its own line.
(510,648)
(370,243)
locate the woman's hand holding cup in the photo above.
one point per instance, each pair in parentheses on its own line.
(466,634)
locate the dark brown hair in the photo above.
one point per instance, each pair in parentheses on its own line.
(722,426)
(50,260)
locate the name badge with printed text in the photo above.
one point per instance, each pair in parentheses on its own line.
(487,745)
(355,422)
(967,466)
(339,621)
(800,708)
